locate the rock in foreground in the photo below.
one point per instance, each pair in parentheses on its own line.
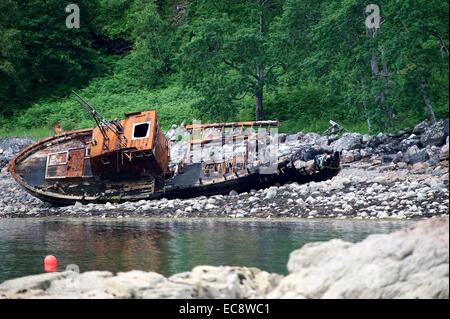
(406,264)
(202,282)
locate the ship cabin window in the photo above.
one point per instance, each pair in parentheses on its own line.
(141,130)
(105,161)
(57,158)
(56,165)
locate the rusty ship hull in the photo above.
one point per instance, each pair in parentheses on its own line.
(129,160)
(31,170)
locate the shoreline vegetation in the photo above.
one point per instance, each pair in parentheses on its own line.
(331,269)
(218,61)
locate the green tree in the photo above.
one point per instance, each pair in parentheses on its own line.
(227,55)
(39,55)
(383,76)
(302,62)
(12,56)
(416,40)
(154,42)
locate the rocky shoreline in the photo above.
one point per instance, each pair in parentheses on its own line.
(361,191)
(401,176)
(412,263)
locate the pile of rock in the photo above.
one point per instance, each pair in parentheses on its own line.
(202,282)
(9,146)
(424,143)
(405,264)
(14,199)
(359,192)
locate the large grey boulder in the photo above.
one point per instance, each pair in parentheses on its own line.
(433,154)
(435,134)
(313,139)
(228,282)
(376,140)
(95,284)
(349,141)
(407,143)
(293,138)
(30,286)
(350,156)
(421,127)
(282,138)
(271,193)
(398,157)
(415,155)
(410,263)
(201,282)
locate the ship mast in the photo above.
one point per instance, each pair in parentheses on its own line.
(104,125)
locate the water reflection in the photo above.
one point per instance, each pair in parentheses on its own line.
(164,246)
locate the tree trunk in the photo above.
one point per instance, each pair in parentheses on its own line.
(382,75)
(374,66)
(259,104)
(426,100)
(366,109)
(380,98)
(259,92)
(386,81)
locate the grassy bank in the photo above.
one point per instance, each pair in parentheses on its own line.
(172,103)
(118,92)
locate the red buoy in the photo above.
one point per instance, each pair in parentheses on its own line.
(50,263)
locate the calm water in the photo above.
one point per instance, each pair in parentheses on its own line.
(166,247)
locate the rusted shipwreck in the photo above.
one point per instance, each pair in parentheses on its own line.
(128,160)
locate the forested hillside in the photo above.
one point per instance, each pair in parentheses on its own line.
(301,62)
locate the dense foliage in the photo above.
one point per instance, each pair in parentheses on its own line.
(302,62)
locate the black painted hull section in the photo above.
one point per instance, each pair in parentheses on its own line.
(254,181)
(286,174)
